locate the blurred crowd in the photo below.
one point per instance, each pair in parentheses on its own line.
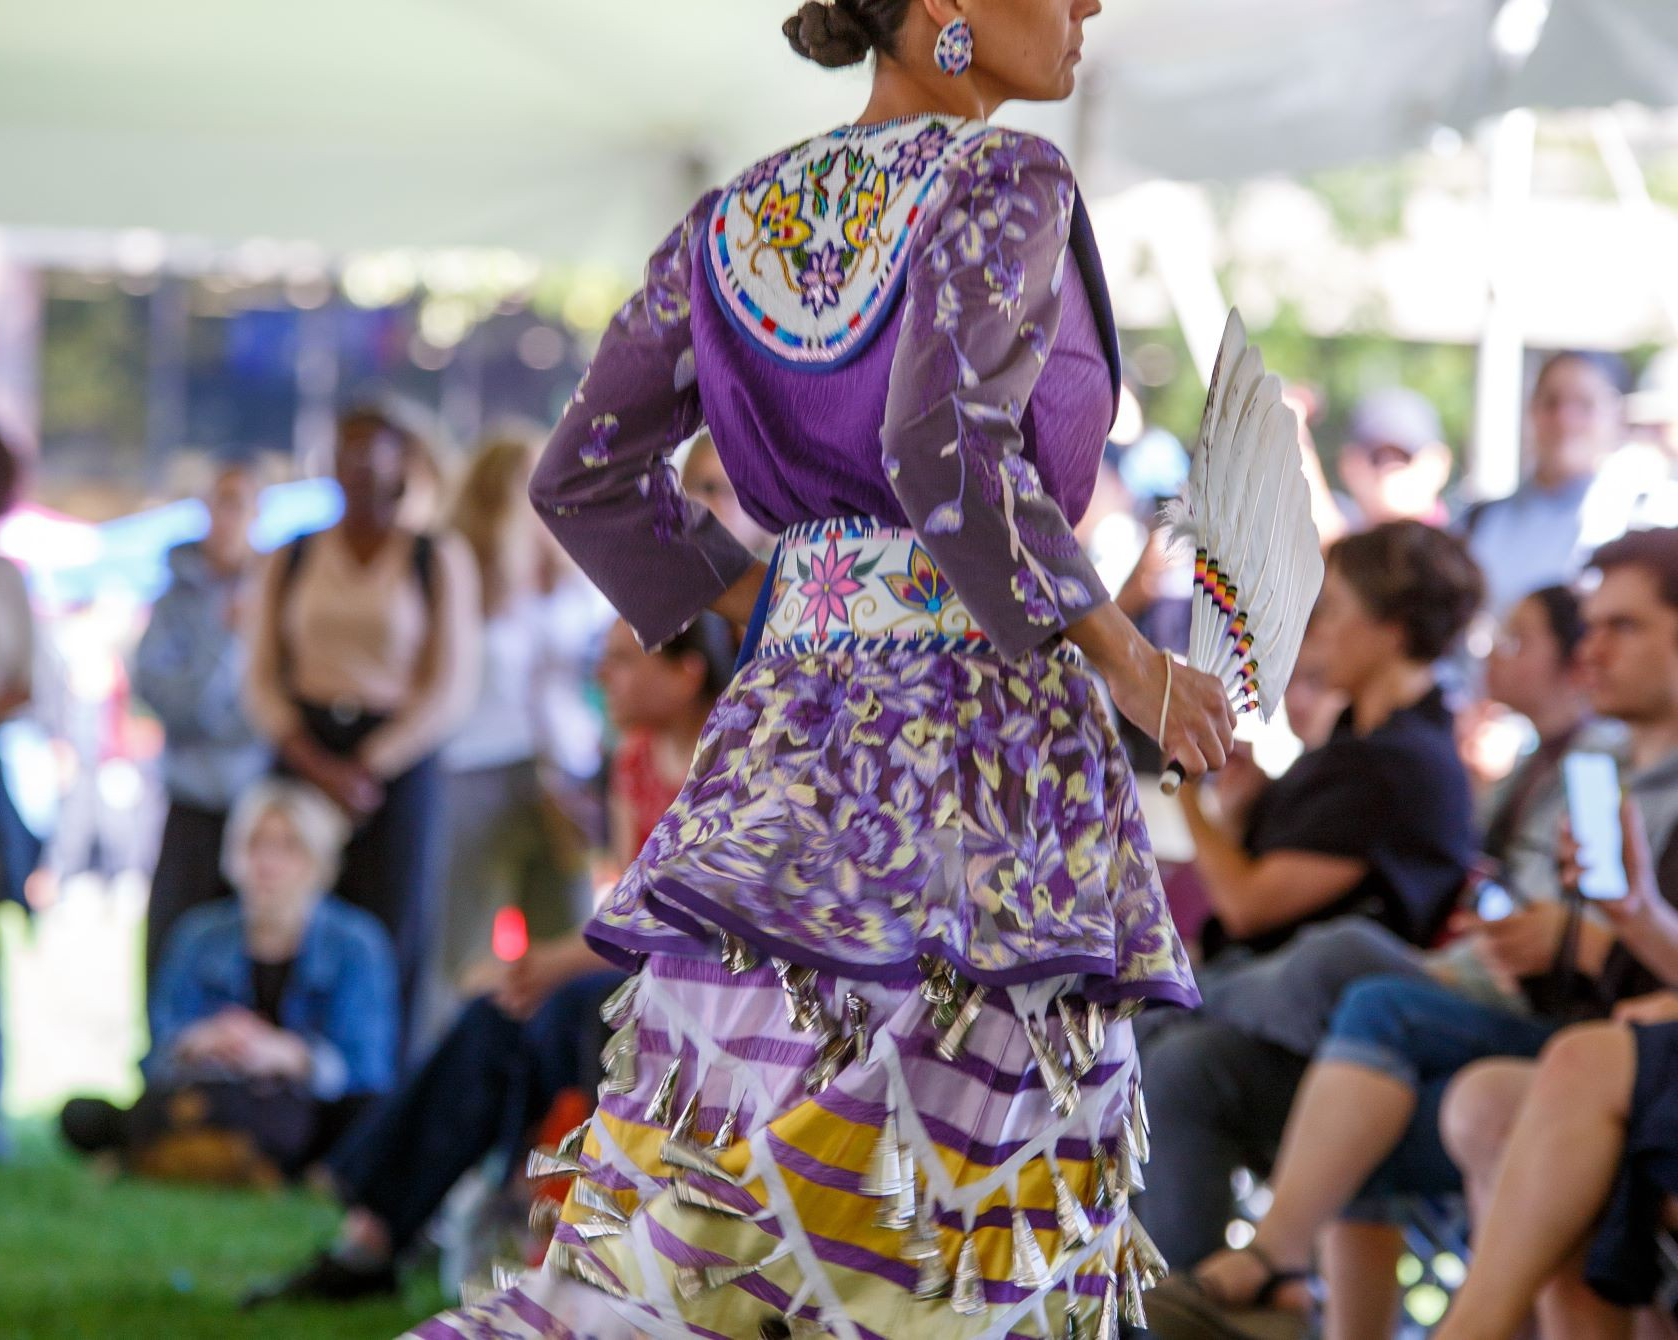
(404,754)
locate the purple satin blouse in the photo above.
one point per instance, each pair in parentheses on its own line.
(968,394)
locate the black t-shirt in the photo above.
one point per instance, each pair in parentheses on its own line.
(1397,799)
(268,984)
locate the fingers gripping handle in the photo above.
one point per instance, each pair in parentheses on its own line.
(1174,774)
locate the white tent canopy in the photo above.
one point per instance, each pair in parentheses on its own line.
(578,129)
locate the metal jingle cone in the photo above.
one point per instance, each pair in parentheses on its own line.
(504,1276)
(967,1292)
(474,1292)
(725,1133)
(664,1098)
(694,1281)
(593,1230)
(932,1278)
(1070,1215)
(1077,1045)
(620,1056)
(544,1214)
(1141,1129)
(564,1260)
(798,986)
(1133,1311)
(1109,1320)
(738,956)
(684,1124)
(544,1163)
(615,1010)
(689,1157)
(1062,1088)
(827,1065)
(857,1011)
(591,1198)
(697,1198)
(1031,1268)
(1074,1328)
(938,980)
(898,1212)
(1101,1165)
(1095,1027)
(922,1243)
(885,1169)
(571,1145)
(1128,1160)
(1145,1256)
(954,1041)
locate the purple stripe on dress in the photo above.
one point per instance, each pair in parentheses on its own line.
(438,1328)
(529,1311)
(956,1139)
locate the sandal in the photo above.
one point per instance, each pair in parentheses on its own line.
(1182,1308)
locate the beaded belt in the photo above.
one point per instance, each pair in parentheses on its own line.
(855,583)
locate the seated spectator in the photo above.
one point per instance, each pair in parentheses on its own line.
(190,668)
(1574,1157)
(1576,417)
(1395,462)
(1324,841)
(1364,1126)
(273,1018)
(537,1031)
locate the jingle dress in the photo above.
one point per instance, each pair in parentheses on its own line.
(875,1075)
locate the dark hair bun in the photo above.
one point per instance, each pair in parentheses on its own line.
(829,34)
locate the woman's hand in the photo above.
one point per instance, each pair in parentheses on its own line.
(1199,722)
(1659,1008)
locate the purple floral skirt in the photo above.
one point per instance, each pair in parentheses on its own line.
(875,1075)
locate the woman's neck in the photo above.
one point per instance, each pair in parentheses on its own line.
(899,92)
(1393,688)
(273,935)
(366,535)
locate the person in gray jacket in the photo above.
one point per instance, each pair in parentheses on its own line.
(190,668)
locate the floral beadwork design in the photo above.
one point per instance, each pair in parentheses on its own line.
(807,247)
(922,586)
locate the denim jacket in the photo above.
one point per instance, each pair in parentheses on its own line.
(189,667)
(340,999)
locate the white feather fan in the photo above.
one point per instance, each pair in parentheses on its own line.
(1246,508)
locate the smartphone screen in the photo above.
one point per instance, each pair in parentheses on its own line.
(1592,784)
(1494,902)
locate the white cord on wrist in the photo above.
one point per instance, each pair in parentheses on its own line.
(1165,702)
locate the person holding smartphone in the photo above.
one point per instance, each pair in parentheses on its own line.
(1365,1124)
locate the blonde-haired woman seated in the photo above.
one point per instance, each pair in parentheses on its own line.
(273,1017)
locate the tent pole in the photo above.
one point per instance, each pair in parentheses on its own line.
(1632,186)
(21,304)
(1495,462)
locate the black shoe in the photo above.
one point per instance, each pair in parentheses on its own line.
(93,1126)
(325,1280)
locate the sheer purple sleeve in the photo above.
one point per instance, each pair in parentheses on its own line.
(982,306)
(605,485)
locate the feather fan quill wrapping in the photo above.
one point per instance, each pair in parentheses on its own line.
(1246,509)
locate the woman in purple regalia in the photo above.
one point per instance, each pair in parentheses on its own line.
(874,1076)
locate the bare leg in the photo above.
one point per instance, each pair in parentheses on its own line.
(1359,1266)
(1346,1120)
(1556,1175)
(1477,1120)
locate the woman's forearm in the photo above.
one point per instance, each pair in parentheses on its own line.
(1653,940)
(737,603)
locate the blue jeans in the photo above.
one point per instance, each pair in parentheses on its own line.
(1422,1034)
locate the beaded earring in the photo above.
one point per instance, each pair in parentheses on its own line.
(954,52)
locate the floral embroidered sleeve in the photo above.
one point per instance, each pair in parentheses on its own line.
(605,485)
(982,306)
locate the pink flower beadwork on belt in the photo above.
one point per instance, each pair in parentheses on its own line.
(830,585)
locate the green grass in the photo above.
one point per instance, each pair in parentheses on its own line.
(85,1259)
